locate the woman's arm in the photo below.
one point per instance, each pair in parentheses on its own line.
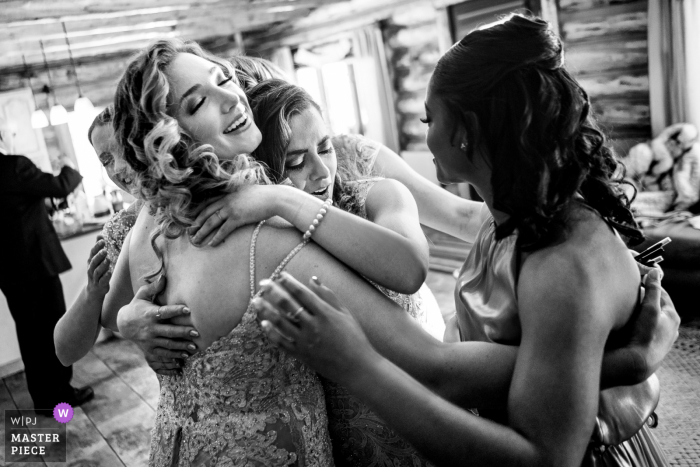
(121,291)
(437,207)
(375,250)
(76,331)
(332,343)
(553,396)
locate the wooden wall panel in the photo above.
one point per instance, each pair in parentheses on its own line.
(606,49)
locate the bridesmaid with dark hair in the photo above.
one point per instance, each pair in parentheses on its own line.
(549,272)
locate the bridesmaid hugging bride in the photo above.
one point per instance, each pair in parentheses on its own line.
(216,224)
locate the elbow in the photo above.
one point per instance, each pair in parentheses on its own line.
(63,349)
(65,361)
(63,356)
(411,281)
(414,275)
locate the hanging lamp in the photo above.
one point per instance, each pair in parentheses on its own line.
(57,114)
(82,103)
(39,119)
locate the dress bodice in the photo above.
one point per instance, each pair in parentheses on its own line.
(487,310)
(116,229)
(485,294)
(242,402)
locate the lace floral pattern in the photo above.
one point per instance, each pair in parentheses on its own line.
(360,438)
(242,402)
(116,229)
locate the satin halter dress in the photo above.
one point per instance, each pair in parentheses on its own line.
(487,310)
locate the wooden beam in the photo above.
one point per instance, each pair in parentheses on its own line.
(21,12)
(109,39)
(325,21)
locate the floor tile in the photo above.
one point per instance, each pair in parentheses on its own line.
(90,370)
(17,386)
(102,456)
(86,445)
(112,398)
(129,435)
(119,355)
(144,382)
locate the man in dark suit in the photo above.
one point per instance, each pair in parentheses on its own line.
(31,258)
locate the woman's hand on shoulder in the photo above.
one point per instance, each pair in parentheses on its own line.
(247,205)
(311,324)
(146,324)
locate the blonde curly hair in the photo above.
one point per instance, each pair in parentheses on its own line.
(174,173)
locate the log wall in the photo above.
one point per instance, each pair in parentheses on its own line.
(606,50)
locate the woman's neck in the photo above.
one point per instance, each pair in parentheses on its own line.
(486,194)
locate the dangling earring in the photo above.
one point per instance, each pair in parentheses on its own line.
(463,147)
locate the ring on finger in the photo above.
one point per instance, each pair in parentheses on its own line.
(158,312)
(294,317)
(218,213)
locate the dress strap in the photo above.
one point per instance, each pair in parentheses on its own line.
(279,268)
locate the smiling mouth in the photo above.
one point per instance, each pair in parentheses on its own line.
(239,123)
(323,193)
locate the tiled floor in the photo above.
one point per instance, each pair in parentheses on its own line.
(114,428)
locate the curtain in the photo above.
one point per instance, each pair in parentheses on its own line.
(374,85)
(674,62)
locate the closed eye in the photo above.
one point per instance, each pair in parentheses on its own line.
(425,120)
(198,105)
(297,164)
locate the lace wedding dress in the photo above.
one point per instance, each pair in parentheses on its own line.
(242,402)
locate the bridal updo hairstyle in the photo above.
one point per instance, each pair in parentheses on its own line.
(507,85)
(174,174)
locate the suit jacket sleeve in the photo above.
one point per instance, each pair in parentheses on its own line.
(35,182)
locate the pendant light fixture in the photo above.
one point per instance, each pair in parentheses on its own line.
(82,103)
(39,119)
(57,114)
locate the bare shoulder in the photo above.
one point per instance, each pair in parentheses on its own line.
(590,270)
(388,194)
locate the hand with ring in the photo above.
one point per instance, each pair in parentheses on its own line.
(149,326)
(247,205)
(311,324)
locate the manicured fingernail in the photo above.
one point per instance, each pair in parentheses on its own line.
(186,311)
(266,325)
(315,280)
(192,347)
(194,333)
(257,303)
(265,284)
(185,355)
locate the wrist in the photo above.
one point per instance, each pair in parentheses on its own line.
(95,295)
(283,200)
(366,369)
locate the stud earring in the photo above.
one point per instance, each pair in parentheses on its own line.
(463,147)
